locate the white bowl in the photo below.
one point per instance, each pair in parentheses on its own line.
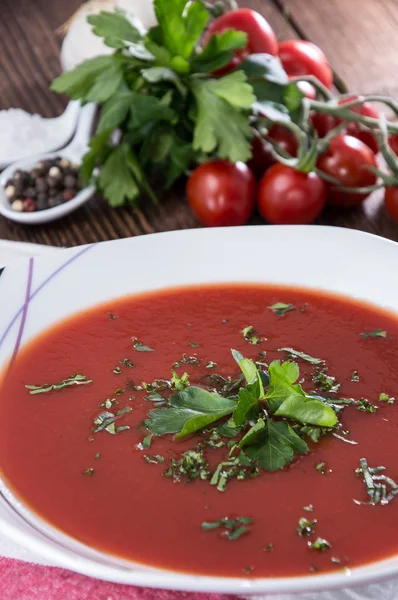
(37,293)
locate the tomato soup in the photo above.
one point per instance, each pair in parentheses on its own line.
(121,427)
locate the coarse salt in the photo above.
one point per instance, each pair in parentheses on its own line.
(23,134)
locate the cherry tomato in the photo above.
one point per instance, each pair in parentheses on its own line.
(286,140)
(347,159)
(366,110)
(289,197)
(323,123)
(299,57)
(307,89)
(393,142)
(391,201)
(261,37)
(222,193)
(262,157)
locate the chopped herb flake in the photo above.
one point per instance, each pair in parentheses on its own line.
(117,370)
(140,347)
(280,308)
(364,405)
(154,460)
(355,376)
(381,489)
(293,354)
(233,529)
(112,317)
(89,472)
(211,365)
(377,333)
(320,544)
(106,419)
(49,387)
(249,333)
(97,456)
(321,467)
(306,527)
(268,548)
(127,363)
(190,466)
(193,344)
(386,398)
(308,508)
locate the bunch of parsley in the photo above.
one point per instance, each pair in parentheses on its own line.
(157,90)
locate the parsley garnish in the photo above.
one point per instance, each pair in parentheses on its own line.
(49,387)
(293,354)
(355,376)
(117,370)
(280,308)
(154,460)
(325,382)
(106,420)
(190,466)
(321,467)
(386,398)
(127,363)
(374,334)
(186,360)
(380,488)
(193,344)
(308,508)
(364,405)
(112,317)
(249,333)
(146,443)
(211,365)
(233,529)
(140,347)
(89,472)
(320,544)
(97,456)
(268,548)
(306,527)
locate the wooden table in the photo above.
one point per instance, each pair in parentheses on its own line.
(358,36)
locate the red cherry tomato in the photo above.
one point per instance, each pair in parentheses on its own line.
(289,197)
(307,89)
(222,193)
(347,160)
(391,201)
(262,157)
(299,57)
(323,123)
(286,140)
(366,110)
(261,37)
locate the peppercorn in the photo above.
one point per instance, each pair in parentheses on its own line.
(30,192)
(17,206)
(41,185)
(29,205)
(10,191)
(68,195)
(70,181)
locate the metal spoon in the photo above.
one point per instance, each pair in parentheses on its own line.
(74,153)
(64,126)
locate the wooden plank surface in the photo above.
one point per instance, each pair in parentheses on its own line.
(29,60)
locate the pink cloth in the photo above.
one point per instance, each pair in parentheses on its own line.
(27,581)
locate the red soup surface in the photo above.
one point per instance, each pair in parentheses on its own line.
(108,491)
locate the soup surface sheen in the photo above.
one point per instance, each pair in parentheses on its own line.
(100,489)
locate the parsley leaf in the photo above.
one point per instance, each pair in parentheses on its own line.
(115,28)
(251,373)
(114,111)
(218,51)
(78,82)
(272,444)
(180,25)
(140,347)
(220,124)
(188,411)
(77,379)
(116,179)
(288,400)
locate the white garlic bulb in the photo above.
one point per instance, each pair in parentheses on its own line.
(80,43)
